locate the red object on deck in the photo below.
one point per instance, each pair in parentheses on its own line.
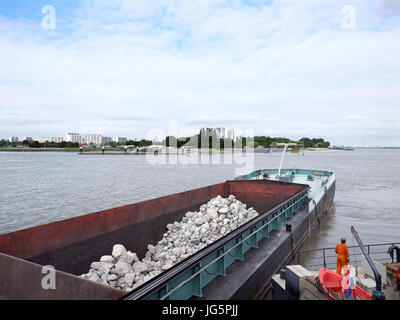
(331,283)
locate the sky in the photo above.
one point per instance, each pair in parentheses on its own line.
(312,68)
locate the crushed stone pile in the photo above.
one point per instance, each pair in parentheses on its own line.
(123,270)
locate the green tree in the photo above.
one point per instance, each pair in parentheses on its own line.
(307,143)
(34,144)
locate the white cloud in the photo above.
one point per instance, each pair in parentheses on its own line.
(143,63)
(353,117)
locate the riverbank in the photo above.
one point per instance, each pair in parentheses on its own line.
(58,149)
(98,150)
(39,149)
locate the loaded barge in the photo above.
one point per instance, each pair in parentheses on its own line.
(239,265)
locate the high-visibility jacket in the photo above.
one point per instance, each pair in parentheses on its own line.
(342,255)
(342,250)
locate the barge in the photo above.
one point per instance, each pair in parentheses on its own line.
(239,265)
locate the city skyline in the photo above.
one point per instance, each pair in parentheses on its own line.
(221,133)
(279,68)
(98,139)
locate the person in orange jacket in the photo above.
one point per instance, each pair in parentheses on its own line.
(342,256)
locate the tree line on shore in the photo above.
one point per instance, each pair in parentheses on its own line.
(201,140)
(36,144)
(210,140)
(64,144)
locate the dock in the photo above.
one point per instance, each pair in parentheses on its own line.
(295,282)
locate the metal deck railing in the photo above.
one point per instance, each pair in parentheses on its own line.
(326,257)
(187,278)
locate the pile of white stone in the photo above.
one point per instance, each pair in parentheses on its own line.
(195,231)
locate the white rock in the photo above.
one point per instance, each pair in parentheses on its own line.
(108,259)
(139,267)
(95,265)
(223,210)
(118,250)
(122,268)
(137,284)
(212,213)
(176,252)
(105,267)
(166,266)
(129,257)
(112,277)
(146,278)
(129,278)
(94,277)
(189,214)
(150,248)
(164,255)
(121,282)
(199,221)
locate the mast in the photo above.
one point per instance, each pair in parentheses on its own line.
(283,155)
(377,293)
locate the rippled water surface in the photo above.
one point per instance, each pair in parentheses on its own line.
(38,188)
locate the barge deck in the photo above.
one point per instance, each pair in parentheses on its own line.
(237,266)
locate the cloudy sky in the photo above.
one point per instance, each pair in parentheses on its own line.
(281,68)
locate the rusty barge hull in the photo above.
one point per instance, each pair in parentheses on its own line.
(71,245)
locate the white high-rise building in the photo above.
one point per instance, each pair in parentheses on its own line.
(57,139)
(121,139)
(94,139)
(230,134)
(107,140)
(220,133)
(13,139)
(73,137)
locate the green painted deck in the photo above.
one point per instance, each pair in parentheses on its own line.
(321,178)
(315,185)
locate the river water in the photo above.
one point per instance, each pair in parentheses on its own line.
(38,188)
